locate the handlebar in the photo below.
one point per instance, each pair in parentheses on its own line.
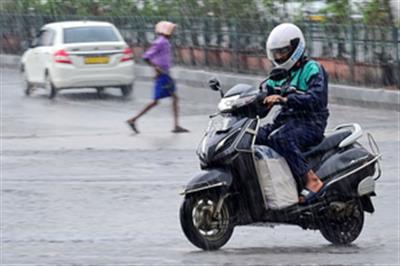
(261,96)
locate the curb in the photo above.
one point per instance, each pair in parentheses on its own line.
(342,94)
(9,60)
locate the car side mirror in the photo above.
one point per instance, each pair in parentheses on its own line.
(128,40)
(25,45)
(32,43)
(214,84)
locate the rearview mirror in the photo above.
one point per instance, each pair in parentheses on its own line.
(214,84)
(275,75)
(33,43)
(278,74)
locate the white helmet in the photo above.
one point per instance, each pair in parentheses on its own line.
(285,38)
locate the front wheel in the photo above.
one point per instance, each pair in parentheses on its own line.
(343,223)
(28,87)
(204,228)
(126,90)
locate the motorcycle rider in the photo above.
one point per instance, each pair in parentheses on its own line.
(303,118)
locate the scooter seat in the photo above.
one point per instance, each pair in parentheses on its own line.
(329,142)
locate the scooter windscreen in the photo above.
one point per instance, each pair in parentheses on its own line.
(221,123)
(221,133)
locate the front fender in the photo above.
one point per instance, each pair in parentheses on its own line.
(208,179)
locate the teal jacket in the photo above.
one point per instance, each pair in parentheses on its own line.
(310,104)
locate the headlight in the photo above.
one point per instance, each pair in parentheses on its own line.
(234,102)
(227,103)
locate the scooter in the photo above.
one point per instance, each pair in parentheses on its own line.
(246,184)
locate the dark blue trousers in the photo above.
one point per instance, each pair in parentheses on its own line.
(289,139)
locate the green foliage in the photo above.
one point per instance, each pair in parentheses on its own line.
(188,8)
(20,6)
(375,12)
(237,9)
(271,6)
(338,11)
(378,12)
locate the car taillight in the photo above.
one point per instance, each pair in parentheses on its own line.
(128,55)
(61,56)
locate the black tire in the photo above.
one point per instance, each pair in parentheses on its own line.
(343,228)
(200,227)
(126,90)
(28,87)
(49,86)
(100,92)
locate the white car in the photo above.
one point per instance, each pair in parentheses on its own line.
(78,54)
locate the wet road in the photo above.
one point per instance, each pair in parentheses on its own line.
(78,188)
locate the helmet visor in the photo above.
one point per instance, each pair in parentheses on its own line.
(281,55)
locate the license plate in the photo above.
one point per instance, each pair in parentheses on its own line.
(97,60)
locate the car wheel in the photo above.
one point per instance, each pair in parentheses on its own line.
(27,86)
(100,92)
(126,90)
(49,86)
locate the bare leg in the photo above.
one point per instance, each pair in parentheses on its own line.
(131,121)
(145,110)
(175,109)
(313,183)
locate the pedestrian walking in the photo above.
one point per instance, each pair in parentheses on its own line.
(159,57)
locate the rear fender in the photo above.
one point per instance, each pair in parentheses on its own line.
(367,205)
(207,180)
(366,186)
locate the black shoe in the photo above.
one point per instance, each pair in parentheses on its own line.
(132,126)
(179,129)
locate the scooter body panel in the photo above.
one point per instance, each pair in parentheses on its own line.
(343,160)
(209,179)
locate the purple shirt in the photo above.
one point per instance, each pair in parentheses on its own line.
(159,53)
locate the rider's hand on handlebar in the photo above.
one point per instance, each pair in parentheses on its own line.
(269,101)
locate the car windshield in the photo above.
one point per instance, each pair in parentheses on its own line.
(90,34)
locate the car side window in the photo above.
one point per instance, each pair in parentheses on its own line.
(45,38)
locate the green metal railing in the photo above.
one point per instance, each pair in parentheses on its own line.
(356,54)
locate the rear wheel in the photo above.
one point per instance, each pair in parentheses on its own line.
(49,86)
(126,90)
(201,225)
(343,223)
(100,92)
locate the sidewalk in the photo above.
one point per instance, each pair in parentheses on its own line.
(342,94)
